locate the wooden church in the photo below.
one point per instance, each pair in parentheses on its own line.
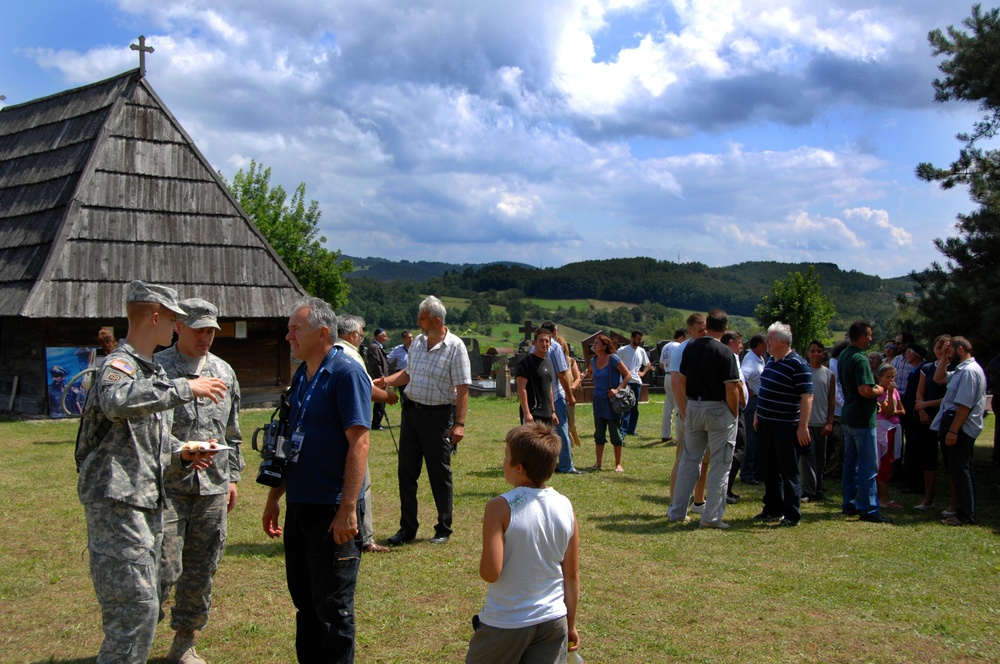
(100,185)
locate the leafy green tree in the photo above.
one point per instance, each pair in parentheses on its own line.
(960,297)
(478,311)
(907,318)
(388,304)
(798,301)
(292,229)
(515,311)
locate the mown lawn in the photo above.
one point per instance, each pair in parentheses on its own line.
(833,590)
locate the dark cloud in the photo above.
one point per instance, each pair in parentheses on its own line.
(870,83)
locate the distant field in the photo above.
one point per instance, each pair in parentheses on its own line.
(449,302)
(565,304)
(497,338)
(745,324)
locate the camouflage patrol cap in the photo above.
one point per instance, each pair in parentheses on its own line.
(200,313)
(139,291)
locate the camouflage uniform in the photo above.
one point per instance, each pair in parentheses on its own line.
(194,519)
(123,447)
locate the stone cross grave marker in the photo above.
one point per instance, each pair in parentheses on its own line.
(527,329)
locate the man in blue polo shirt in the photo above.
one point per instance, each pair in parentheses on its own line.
(784,404)
(328,420)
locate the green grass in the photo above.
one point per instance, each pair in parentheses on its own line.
(580,304)
(832,590)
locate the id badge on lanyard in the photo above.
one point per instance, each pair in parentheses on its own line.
(293,454)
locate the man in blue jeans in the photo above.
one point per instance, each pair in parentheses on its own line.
(636,359)
(861,395)
(563,399)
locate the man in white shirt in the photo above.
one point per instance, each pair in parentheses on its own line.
(437,376)
(350,333)
(734,340)
(669,405)
(753,365)
(637,360)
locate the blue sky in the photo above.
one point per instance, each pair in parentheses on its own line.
(550,132)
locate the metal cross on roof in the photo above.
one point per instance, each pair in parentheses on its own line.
(143,50)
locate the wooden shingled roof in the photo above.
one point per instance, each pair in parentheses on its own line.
(100,185)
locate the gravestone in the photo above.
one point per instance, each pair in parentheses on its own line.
(527,330)
(488,363)
(504,389)
(475,358)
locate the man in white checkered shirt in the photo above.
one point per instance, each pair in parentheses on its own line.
(437,376)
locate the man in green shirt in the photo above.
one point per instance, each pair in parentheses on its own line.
(861,395)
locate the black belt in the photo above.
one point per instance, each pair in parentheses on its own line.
(704,400)
(421,406)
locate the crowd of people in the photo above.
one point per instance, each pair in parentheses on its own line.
(764,413)
(159,461)
(867,418)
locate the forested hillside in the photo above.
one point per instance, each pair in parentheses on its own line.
(661,291)
(383,269)
(735,288)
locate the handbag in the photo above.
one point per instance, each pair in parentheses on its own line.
(623,401)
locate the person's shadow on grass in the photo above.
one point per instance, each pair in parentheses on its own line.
(90,660)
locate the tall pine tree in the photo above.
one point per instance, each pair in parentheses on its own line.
(961,296)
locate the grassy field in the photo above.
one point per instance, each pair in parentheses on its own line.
(833,590)
(580,304)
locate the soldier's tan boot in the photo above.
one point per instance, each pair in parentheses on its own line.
(182,649)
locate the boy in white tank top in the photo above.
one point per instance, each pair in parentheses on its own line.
(530,559)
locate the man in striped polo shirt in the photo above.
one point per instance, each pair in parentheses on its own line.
(782,422)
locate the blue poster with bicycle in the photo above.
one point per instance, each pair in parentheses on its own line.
(66,374)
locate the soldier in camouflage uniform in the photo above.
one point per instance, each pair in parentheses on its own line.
(122,449)
(194,519)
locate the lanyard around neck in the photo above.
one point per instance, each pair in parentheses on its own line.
(296,419)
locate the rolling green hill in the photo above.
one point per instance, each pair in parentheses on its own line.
(641,293)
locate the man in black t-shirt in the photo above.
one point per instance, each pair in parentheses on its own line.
(534,375)
(711,381)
